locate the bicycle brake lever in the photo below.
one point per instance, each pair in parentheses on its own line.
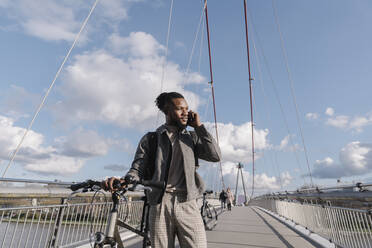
(149,189)
(134,187)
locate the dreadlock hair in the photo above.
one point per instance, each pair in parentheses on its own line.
(165,98)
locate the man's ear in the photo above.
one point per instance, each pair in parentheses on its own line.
(167,108)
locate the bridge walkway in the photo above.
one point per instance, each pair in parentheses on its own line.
(249,227)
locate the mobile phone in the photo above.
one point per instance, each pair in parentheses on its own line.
(190,118)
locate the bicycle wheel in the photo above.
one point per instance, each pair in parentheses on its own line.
(209,217)
(208,211)
(204,214)
(214,211)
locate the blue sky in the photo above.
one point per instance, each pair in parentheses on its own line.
(102,103)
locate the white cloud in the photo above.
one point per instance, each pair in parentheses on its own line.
(117,167)
(359,122)
(116,10)
(11,135)
(236,141)
(285,178)
(263,182)
(122,145)
(121,91)
(312,116)
(67,157)
(55,20)
(345,122)
(49,31)
(340,121)
(56,165)
(83,143)
(284,143)
(356,123)
(49,20)
(180,44)
(327,161)
(327,169)
(15,101)
(330,111)
(355,159)
(235,144)
(137,44)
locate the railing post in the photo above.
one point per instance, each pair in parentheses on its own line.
(54,238)
(329,217)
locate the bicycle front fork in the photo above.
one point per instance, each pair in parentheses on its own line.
(109,240)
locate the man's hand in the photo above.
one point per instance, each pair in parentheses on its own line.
(110,184)
(195,119)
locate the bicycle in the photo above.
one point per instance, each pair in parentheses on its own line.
(111,237)
(208,212)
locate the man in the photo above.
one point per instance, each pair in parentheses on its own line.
(174,210)
(223,197)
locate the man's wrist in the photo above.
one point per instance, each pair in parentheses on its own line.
(198,125)
(200,129)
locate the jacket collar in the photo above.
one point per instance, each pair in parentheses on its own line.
(163,128)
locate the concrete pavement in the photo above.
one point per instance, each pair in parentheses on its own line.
(251,227)
(247,227)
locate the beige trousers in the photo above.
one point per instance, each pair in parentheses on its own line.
(176,216)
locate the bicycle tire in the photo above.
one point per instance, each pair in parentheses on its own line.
(205,213)
(210,217)
(208,211)
(214,210)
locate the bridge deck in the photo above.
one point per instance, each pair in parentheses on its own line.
(249,227)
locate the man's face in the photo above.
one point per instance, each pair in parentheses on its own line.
(178,112)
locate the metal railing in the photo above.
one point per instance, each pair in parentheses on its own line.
(345,227)
(64,225)
(68,224)
(359,194)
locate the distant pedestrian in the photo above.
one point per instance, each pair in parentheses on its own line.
(230,198)
(223,197)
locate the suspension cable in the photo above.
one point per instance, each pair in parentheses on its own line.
(250,91)
(166,57)
(166,47)
(277,97)
(292,91)
(50,87)
(263,154)
(211,83)
(201,48)
(195,39)
(276,167)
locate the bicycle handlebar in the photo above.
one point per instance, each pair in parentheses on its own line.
(86,184)
(89,184)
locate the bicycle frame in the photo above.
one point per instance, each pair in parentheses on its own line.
(206,213)
(204,204)
(112,236)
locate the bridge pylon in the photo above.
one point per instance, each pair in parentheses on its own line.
(240,166)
